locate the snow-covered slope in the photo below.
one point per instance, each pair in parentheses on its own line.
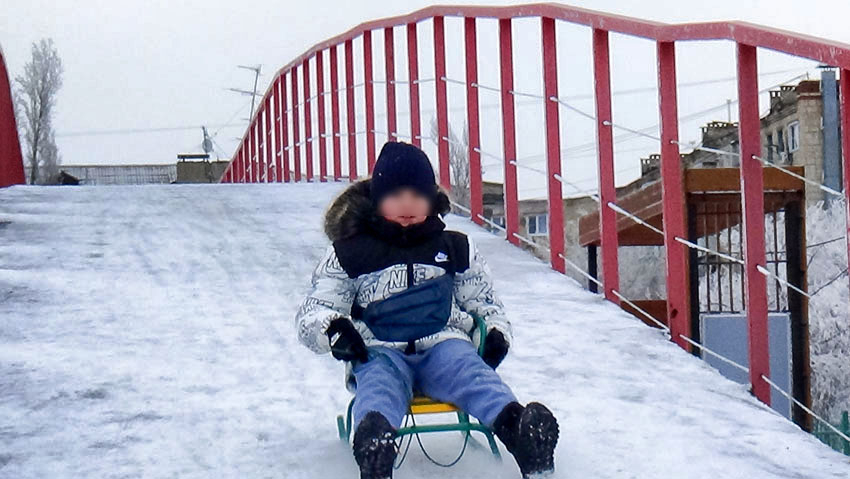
(148,332)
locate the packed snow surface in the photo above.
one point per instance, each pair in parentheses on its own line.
(148,332)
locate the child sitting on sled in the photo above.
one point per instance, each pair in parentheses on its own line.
(393,296)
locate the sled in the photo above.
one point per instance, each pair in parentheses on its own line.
(421,405)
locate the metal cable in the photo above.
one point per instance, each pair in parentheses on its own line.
(450,464)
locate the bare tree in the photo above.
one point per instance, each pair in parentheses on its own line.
(458,161)
(35,98)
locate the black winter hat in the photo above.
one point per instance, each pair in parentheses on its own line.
(402,164)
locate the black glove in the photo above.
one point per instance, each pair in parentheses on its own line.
(346,343)
(495,348)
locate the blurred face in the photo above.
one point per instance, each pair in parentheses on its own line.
(404,206)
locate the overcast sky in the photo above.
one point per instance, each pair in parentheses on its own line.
(131,67)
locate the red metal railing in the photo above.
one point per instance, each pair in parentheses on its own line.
(11,160)
(748,37)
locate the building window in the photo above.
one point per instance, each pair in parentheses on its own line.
(793,136)
(770,147)
(537,224)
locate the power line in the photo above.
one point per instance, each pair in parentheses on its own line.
(133,131)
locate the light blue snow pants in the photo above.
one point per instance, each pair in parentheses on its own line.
(451,371)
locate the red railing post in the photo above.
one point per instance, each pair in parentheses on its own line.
(308,121)
(389,64)
(349,103)
(442,102)
(673,199)
(335,114)
(255,158)
(368,85)
(247,155)
(320,105)
(269,158)
(607,189)
(296,143)
(237,163)
(246,160)
(413,79)
(476,199)
(278,157)
(11,157)
(506,64)
(261,143)
(553,144)
(240,163)
(845,138)
(752,205)
(284,131)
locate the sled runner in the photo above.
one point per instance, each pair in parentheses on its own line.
(421,405)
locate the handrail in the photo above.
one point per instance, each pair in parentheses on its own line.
(814,48)
(11,159)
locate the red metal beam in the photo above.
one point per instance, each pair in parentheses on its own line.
(553,144)
(389,64)
(235,164)
(308,121)
(476,200)
(237,161)
(278,141)
(335,114)
(260,140)
(320,105)
(506,65)
(822,50)
(442,102)
(243,170)
(239,165)
(413,79)
(283,164)
(11,159)
(368,85)
(258,157)
(296,147)
(752,206)
(845,138)
(607,190)
(673,199)
(253,152)
(256,138)
(349,117)
(247,154)
(826,51)
(269,158)
(240,170)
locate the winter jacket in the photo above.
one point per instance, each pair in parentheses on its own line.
(371,258)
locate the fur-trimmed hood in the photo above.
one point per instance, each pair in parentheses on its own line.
(351,212)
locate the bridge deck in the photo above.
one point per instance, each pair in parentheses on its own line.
(147,331)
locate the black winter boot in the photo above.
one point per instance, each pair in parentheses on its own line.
(529,433)
(374,446)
